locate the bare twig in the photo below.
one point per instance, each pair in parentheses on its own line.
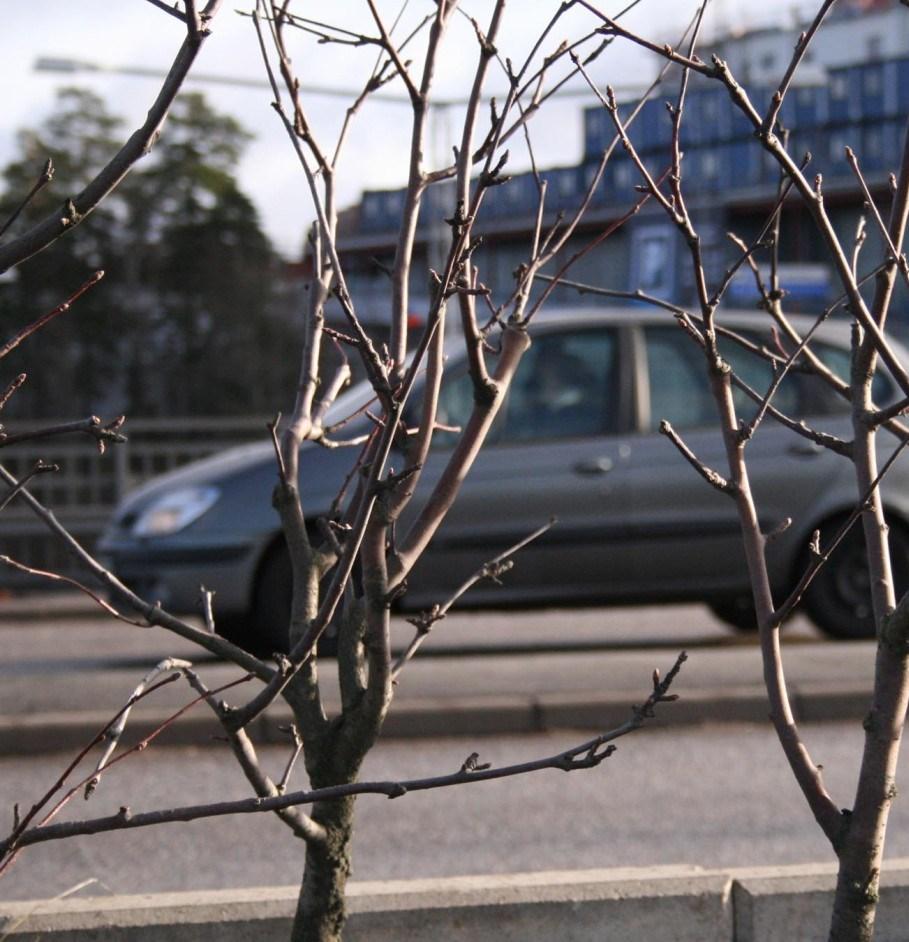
(820,557)
(45,319)
(112,735)
(74,583)
(47,174)
(898,257)
(747,431)
(21,823)
(172,10)
(713,478)
(292,761)
(11,389)
(103,434)
(76,209)
(152,611)
(801,47)
(491,569)
(39,468)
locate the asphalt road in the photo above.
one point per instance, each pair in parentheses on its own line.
(715,796)
(80,635)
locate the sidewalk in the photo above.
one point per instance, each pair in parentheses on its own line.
(65,671)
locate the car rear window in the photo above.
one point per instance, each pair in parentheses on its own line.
(680,394)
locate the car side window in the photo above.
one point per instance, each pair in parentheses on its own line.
(566,387)
(756,371)
(802,392)
(454,408)
(824,400)
(679,392)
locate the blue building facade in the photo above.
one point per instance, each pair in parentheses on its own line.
(729,180)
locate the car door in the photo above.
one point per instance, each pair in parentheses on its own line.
(687,539)
(558,449)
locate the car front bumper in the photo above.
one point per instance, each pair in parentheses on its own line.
(175,576)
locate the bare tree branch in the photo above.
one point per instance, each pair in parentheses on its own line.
(586,755)
(102,433)
(45,319)
(45,177)
(801,47)
(81,205)
(491,569)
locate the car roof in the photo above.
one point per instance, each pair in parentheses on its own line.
(570,315)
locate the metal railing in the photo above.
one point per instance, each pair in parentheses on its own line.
(84,492)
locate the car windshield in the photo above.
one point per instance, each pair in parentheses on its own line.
(355,398)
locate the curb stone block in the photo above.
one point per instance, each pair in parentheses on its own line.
(784,903)
(671,904)
(675,904)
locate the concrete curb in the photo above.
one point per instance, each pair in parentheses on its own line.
(43,733)
(673,904)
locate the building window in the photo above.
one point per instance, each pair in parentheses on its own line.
(623,176)
(875,48)
(838,86)
(871,81)
(594,130)
(838,146)
(873,144)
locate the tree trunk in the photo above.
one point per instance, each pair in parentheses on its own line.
(855,905)
(861,849)
(321,910)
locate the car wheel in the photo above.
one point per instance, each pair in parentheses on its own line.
(737,611)
(271,607)
(271,602)
(839,597)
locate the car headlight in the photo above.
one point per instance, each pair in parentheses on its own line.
(175,510)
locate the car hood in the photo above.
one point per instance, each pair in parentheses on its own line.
(233,462)
(210,470)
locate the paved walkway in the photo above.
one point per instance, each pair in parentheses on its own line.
(65,671)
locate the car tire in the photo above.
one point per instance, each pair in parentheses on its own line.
(271,601)
(839,597)
(737,611)
(271,607)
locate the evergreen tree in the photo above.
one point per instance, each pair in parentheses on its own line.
(185,319)
(75,363)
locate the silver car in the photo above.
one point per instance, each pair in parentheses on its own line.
(578,439)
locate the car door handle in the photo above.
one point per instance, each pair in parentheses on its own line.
(805,449)
(594,466)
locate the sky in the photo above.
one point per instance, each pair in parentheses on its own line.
(136,33)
